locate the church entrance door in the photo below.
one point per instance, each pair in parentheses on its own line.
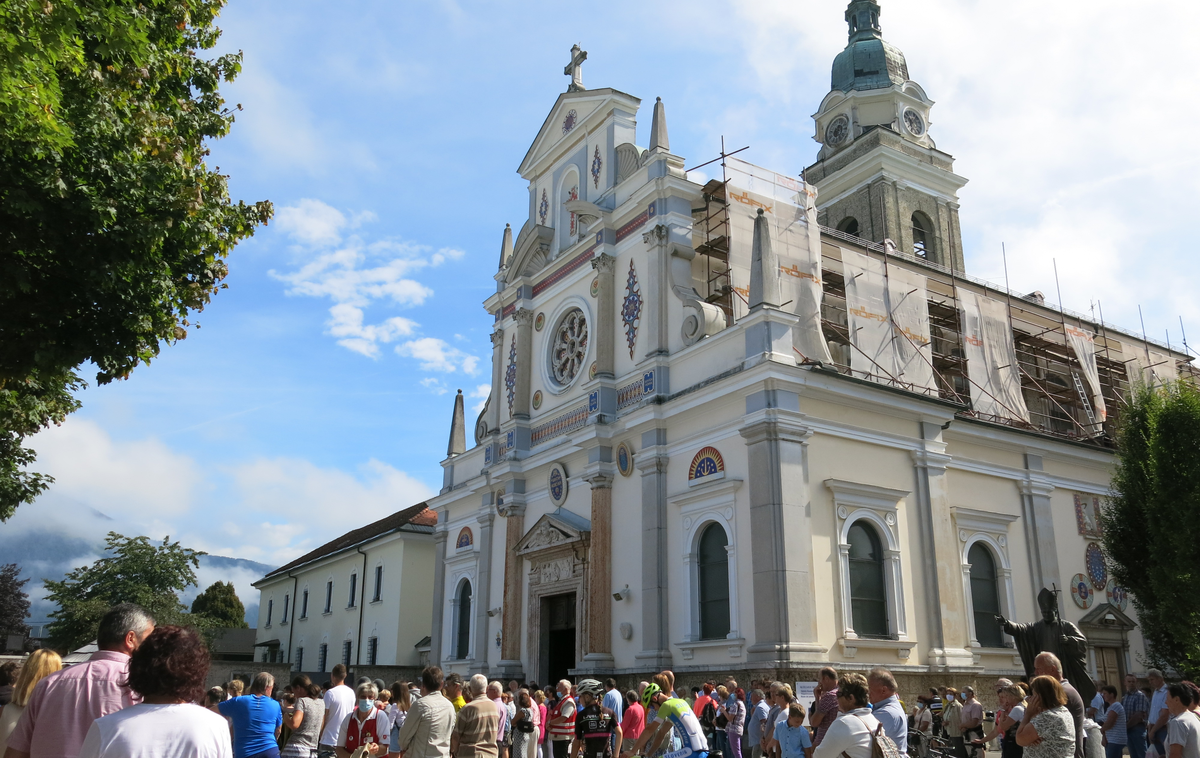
(1108,666)
(558,636)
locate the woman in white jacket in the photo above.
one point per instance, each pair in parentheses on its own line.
(851,732)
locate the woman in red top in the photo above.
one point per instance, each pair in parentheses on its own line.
(633,721)
(704,699)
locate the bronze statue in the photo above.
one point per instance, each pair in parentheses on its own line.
(1053,635)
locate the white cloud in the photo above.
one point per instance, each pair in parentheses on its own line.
(437,355)
(480,394)
(356,275)
(434,385)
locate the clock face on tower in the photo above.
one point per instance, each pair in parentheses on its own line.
(913,122)
(837,131)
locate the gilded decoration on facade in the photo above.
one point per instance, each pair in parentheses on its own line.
(631,310)
(1082,592)
(510,375)
(1087,515)
(707,464)
(543,208)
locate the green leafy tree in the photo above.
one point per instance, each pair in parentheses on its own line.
(14,600)
(1150,536)
(113,228)
(221,605)
(133,570)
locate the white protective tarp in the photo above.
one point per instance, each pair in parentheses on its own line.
(888,317)
(1146,365)
(991,358)
(1083,343)
(790,208)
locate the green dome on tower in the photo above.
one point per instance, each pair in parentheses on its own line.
(867,62)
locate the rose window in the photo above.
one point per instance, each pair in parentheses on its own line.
(570,347)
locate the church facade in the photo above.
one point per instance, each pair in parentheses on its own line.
(760,424)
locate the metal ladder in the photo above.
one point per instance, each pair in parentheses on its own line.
(1083,398)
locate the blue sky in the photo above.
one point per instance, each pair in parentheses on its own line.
(317,393)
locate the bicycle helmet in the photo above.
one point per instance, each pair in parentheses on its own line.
(649,693)
(590,687)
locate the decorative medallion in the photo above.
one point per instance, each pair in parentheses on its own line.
(569,121)
(837,131)
(592,371)
(557,483)
(596,166)
(624,459)
(1081,592)
(573,194)
(595,288)
(569,348)
(706,466)
(1087,515)
(539,321)
(465,539)
(913,122)
(1096,568)
(537,400)
(543,208)
(1117,596)
(510,375)
(631,310)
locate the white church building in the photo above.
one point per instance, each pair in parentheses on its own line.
(764,423)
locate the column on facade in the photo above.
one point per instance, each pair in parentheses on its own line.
(658,285)
(598,650)
(945,605)
(513,511)
(439,593)
(784,600)
(495,416)
(1039,531)
(652,461)
(606,315)
(483,582)
(524,318)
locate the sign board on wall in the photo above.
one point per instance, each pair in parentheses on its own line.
(804,692)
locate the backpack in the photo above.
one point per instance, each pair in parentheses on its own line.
(882,746)
(708,717)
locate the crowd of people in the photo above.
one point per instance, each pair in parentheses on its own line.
(143,694)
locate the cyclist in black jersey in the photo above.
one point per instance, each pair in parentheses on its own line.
(595,725)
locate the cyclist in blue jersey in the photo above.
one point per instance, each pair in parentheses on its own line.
(673,714)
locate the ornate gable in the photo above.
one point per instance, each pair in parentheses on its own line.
(554,530)
(574,115)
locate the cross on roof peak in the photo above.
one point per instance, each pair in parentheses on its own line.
(572,69)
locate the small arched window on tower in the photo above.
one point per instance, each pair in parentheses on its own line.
(849,225)
(922,231)
(714,583)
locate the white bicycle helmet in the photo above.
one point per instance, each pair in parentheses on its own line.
(590,687)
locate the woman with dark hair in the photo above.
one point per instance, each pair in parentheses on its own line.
(397,712)
(168,671)
(304,719)
(1047,729)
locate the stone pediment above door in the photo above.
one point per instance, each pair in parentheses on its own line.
(556,530)
(531,252)
(1106,616)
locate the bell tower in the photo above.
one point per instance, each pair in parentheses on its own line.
(879,174)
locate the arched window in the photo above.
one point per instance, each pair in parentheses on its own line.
(985,596)
(713,560)
(868,595)
(462,632)
(922,231)
(849,225)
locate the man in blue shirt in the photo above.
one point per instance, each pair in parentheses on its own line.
(881,686)
(1137,708)
(759,711)
(256,719)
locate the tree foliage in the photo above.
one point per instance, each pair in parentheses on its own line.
(113,229)
(221,605)
(14,601)
(132,570)
(1151,537)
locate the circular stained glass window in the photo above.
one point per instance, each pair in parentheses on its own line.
(570,346)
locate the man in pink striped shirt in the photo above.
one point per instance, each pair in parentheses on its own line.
(64,704)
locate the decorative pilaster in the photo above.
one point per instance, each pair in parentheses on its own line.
(652,463)
(513,511)
(494,414)
(483,583)
(657,287)
(598,650)
(1039,530)
(606,315)
(945,607)
(439,592)
(524,317)
(785,612)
